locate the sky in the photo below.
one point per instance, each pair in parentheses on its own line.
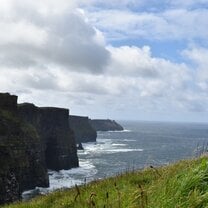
(124,60)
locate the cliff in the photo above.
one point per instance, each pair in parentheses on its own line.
(22,165)
(82,128)
(32,140)
(8,102)
(105,125)
(57,138)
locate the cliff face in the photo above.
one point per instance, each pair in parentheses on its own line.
(32,139)
(8,102)
(57,139)
(105,125)
(21,160)
(82,128)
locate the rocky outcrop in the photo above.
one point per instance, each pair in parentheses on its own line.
(22,163)
(82,128)
(57,138)
(105,125)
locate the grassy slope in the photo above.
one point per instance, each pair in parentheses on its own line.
(181,185)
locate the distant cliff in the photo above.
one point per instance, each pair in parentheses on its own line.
(22,164)
(82,128)
(105,125)
(56,137)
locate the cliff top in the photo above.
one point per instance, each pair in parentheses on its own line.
(28,106)
(105,125)
(8,102)
(53,108)
(78,117)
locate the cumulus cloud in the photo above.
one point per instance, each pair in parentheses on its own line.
(66,62)
(199,59)
(49,35)
(133,61)
(132,70)
(128,83)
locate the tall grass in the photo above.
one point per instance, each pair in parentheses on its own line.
(181,185)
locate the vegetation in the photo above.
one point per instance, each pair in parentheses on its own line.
(181,185)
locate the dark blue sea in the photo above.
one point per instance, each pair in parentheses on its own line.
(141,144)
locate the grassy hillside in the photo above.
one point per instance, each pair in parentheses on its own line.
(181,185)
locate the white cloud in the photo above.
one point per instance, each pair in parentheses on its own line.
(180,23)
(14,33)
(49,35)
(111,3)
(124,85)
(64,59)
(199,58)
(132,61)
(132,72)
(198,55)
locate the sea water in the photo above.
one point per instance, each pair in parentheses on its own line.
(140,145)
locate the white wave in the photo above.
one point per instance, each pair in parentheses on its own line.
(68,178)
(65,179)
(86,168)
(106,146)
(124,150)
(127,130)
(61,180)
(114,144)
(120,131)
(129,140)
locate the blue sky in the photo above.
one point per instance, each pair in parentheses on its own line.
(130,59)
(164,45)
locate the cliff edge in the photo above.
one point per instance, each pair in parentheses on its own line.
(105,125)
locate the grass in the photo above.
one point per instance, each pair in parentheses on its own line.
(180,185)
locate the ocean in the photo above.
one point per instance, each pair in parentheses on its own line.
(140,145)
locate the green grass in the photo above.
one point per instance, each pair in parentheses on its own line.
(181,185)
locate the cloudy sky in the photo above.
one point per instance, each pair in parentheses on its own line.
(129,59)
